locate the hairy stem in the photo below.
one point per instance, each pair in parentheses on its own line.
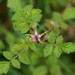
(18,54)
(51,44)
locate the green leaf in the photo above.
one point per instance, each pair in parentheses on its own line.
(69,13)
(63,25)
(51,38)
(11,38)
(16,48)
(52,60)
(4,67)
(8,55)
(67,47)
(56,16)
(22,41)
(42,70)
(56,30)
(36,16)
(21,26)
(57,51)
(28,9)
(14,4)
(32,46)
(59,40)
(33,23)
(22,44)
(34,58)
(25,18)
(24,29)
(24,58)
(16,63)
(55,70)
(48,50)
(27,38)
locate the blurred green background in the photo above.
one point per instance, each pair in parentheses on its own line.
(66,63)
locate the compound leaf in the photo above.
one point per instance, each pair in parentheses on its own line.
(4,67)
(48,50)
(52,37)
(16,63)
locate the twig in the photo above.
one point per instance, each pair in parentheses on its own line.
(18,54)
(51,44)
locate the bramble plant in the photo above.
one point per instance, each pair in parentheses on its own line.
(47,44)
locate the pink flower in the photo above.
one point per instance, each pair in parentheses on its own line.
(36,37)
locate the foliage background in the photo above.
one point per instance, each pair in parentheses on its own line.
(8,35)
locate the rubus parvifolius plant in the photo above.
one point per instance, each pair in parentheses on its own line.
(25,21)
(60,20)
